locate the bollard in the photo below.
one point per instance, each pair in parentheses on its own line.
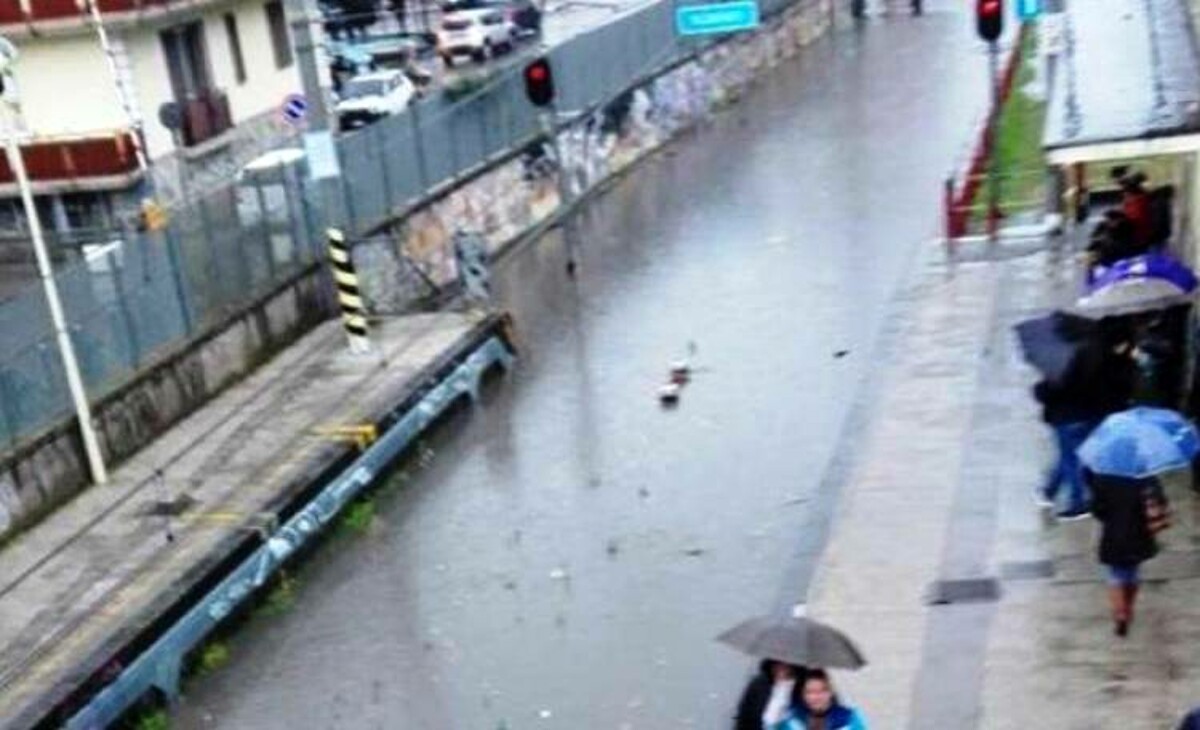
(345,278)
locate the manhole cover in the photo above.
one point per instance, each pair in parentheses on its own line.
(1027,569)
(968,590)
(170,507)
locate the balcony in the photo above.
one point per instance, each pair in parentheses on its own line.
(71,16)
(205,117)
(103,161)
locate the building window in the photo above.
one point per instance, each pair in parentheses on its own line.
(279,35)
(235,48)
(187,60)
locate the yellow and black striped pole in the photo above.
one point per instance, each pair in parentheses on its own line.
(345,278)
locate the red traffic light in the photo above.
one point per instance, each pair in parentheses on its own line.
(539,82)
(989,19)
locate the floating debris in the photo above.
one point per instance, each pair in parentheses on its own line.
(545,714)
(694,552)
(612,548)
(840,354)
(559,574)
(668,394)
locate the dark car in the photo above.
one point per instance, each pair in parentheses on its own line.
(524,15)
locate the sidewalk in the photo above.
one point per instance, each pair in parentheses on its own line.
(97,573)
(940,489)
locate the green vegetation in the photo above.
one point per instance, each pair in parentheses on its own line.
(280,600)
(213,656)
(1019,139)
(156,719)
(359,516)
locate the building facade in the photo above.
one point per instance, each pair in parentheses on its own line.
(227,65)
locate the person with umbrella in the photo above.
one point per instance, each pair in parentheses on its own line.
(1087,375)
(1123,459)
(793,641)
(770,696)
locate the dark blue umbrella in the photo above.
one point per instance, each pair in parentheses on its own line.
(1051,343)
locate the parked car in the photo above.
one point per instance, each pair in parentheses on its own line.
(477,34)
(367,98)
(524,16)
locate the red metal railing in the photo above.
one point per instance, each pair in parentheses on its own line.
(72,158)
(49,10)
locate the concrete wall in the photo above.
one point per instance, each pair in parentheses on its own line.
(50,470)
(506,202)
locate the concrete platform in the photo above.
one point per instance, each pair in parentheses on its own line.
(98,574)
(939,487)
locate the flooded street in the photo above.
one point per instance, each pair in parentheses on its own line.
(562,555)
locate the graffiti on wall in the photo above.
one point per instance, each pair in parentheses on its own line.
(514,197)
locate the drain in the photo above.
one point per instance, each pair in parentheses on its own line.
(968,590)
(170,507)
(1027,570)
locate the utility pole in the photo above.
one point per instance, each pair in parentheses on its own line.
(318,139)
(83,413)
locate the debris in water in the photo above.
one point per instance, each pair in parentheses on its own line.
(510,585)
(558,574)
(681,372)
(668,395)
(841,353)
(545,714)
(612,548)
(643,493)
(694,552)
(795,499)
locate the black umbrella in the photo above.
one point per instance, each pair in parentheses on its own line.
(1052,342)
(794,640)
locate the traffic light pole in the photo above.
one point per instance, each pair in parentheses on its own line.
(565,196)
(993,211)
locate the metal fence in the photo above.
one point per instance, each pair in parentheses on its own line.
(137,295)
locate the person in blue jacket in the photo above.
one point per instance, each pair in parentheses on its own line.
(820,708)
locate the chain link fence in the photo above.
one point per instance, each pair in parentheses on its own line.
(132,296)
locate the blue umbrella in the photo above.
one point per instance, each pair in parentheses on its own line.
(1141,442)
(1149,266)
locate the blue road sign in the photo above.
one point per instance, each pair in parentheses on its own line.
(294,108)
(1029,9)
(716,17)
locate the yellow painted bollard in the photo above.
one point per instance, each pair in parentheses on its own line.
(345,278)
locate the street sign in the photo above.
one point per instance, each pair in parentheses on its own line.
(321,152)
(294,109)
(1029,9)
(716,18)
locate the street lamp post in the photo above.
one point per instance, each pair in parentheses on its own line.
(11,110)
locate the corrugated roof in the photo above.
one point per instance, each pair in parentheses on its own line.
(1128,71)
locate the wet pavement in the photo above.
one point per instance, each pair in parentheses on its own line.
(562,555)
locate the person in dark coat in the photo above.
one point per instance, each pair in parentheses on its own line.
(784,681)
(1098,383)
(1192,721)
(1124,508)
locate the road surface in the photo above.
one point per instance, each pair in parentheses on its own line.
(562,556)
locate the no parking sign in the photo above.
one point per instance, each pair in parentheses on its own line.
(294,109)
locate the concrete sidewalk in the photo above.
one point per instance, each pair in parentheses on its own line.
(95,575)
(940,488)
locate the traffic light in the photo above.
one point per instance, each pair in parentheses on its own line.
(539,82)
(989,17)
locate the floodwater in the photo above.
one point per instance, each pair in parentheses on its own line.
(561,555)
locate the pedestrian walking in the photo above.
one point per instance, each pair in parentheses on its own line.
(1131,511)
(771,696)
(820,708)
(1098,382)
